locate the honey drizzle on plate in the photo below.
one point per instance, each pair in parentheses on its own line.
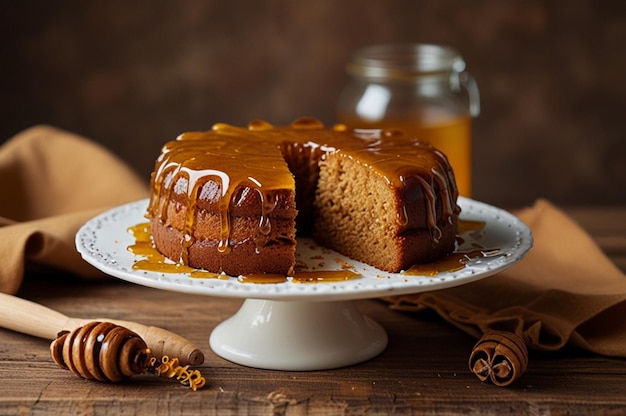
(156,262)
(456,260)
(450,263)
(325,276)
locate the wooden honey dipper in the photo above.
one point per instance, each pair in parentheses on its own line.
(132,348)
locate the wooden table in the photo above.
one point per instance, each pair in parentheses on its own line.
(423,370)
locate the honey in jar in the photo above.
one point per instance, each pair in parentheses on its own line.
(421,89)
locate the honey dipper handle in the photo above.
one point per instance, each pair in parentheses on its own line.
(160,341)
(37,320)
(30,318)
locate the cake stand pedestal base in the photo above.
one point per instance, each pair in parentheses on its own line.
(298,336)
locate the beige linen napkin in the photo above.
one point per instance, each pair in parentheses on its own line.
(564,291)
(51,182)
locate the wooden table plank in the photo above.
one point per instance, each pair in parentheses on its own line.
(423,370)
(424,367)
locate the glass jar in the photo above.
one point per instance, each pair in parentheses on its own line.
(421,89)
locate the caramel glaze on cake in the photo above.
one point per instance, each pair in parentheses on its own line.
(226,200)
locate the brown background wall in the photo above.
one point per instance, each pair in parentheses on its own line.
(134,74)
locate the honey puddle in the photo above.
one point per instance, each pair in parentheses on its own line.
(458,259)
(323,276)
(450,263)
(156,262)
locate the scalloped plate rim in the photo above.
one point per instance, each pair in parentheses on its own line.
(102,242)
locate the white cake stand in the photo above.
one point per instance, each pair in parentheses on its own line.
(303,326)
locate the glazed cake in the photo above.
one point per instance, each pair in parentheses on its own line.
(228,200)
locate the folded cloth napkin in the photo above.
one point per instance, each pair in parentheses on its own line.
(565,290)
(51,183)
